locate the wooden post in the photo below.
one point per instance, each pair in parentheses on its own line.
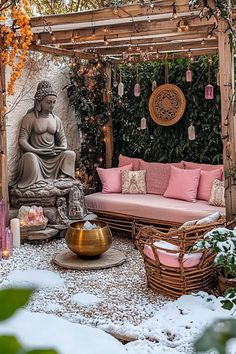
(108,131)
(3,141)
(226,67)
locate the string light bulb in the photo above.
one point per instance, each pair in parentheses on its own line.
(93,34)
(179,28)
(186,25)
(38,42)
(105,40)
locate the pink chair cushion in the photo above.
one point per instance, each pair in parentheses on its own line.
(111,178)
(172,259)
(125,160)
(203,166)
(183,184)
(205,184)
(158,175)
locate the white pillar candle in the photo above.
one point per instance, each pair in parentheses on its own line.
(15,229)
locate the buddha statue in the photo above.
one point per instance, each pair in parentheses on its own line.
(42,139)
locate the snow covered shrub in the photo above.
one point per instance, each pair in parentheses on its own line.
(223,242)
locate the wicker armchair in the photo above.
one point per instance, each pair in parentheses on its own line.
(188,272)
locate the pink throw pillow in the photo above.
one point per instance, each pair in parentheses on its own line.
(158,175)
(205,183)
(183,184)
(203,166)
(125,160)
(111,178)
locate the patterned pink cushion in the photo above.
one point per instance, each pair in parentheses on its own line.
(111,178)
(158,175)
(133,182)
(183,184)
(203,166)
(217,196)
(205,183)
(125,160)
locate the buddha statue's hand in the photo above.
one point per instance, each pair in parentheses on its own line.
(45,152)
(58,149)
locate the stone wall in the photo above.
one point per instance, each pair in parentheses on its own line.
(18,105)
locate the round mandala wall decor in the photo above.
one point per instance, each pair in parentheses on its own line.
(167,104)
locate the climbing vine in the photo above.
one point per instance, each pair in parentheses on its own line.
(87,95)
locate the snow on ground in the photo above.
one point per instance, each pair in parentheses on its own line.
(85,299)
(48,331)
(116,300)
(34,278)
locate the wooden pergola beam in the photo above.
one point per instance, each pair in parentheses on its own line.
(228,126)
(152,46)
(125,31)
(168,55)
(119,29)
(163,36)
(61,52)
(160,7)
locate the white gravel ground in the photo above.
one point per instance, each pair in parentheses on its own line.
(123,291)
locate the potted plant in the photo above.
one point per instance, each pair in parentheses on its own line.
(223,242)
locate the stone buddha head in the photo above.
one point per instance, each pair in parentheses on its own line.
(44,98)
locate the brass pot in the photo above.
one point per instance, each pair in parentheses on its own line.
(88,243)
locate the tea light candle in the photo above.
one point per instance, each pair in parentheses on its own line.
(5,254)
(15,229)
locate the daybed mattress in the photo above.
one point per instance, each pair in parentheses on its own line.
(151,206)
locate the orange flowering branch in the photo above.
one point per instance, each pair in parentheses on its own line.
(15,41)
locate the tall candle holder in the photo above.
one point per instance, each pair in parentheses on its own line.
(2,227)
(7,251)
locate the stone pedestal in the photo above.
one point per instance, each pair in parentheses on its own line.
(54,198)
(39,235)
(62,201)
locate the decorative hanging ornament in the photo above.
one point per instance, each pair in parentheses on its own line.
(137,89)
(143,124)
(121,86)
(154,85)
(167,104)
(209,89)
(209,92)
(115,83)
(189,75)
(191,132)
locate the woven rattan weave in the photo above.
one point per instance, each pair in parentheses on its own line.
(176,281)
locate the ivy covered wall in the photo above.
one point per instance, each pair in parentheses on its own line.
(168,144)
(88,95)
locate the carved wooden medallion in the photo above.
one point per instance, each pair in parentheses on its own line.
(167,104)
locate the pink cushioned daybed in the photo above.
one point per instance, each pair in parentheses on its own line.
(176,193)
